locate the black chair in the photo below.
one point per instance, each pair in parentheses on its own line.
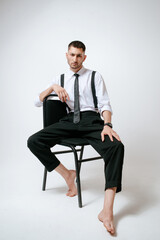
(53,110)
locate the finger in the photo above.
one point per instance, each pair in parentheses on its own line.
(116,136)
(102,137)
(110,136)
(65,95)
(61,97)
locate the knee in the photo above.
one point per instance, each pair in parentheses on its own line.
(32,141)
(120,151)
(119,145)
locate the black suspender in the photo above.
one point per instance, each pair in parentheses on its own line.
(92,87)
(62,80)
(62,85)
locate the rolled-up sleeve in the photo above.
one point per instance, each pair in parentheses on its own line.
(102,94)
(37,101)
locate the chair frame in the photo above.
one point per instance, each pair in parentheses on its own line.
(78,160)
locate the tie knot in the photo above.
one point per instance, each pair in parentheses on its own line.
(76,75)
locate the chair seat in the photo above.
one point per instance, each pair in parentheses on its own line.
(74,142)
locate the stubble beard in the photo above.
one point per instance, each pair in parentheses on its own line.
(75,66)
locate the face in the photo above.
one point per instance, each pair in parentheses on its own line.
(75,58)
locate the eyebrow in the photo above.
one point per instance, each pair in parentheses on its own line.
(76,54)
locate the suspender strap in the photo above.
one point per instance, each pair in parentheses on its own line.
(62,80)
(94,89)
(62,85)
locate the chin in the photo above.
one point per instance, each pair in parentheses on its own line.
(74,67)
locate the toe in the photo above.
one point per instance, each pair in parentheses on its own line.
(72,194)
(109,227)
(112,228)
(67,194)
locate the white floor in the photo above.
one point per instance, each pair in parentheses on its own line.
(28,213)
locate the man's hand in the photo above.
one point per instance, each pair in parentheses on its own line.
(109,131)
(61,92)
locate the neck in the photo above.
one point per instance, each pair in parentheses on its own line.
(76,70)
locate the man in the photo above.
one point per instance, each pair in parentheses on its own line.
(88,124)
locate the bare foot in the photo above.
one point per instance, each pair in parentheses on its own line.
(101,216)
(107,219)
(72,191)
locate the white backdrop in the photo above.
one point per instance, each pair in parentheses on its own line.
(122,39)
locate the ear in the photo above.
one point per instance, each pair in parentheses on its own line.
(66,54)
(85,56)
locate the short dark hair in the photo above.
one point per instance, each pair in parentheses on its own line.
(77,44)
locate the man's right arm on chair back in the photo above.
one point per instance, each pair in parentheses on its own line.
(61,92)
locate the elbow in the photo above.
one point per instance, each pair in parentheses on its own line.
(38,102)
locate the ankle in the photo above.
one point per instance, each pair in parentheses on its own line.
(67,175)
(107,212)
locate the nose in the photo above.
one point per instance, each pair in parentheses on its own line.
(75,58)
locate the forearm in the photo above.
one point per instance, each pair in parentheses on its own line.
(45,93)
(60,91)
(106,116)
(108,130)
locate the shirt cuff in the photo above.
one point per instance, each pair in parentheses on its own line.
(38,102)
(106,108)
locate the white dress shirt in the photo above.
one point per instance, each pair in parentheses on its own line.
(85,92)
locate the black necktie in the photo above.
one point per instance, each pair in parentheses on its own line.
(76,117)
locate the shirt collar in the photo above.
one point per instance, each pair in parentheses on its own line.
(80,72)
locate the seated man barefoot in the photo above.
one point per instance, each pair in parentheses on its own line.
(85,121)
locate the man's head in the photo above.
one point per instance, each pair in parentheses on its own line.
(76,55)
(77,44)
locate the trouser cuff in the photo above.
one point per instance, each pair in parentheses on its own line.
(53,166)
(114,184)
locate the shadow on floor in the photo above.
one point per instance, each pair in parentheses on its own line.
(139,193)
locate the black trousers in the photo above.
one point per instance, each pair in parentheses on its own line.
(89,127)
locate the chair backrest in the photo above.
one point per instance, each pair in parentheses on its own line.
(53,110)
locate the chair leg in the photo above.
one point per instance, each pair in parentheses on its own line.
(80,158)
(78,177)
(44,179)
